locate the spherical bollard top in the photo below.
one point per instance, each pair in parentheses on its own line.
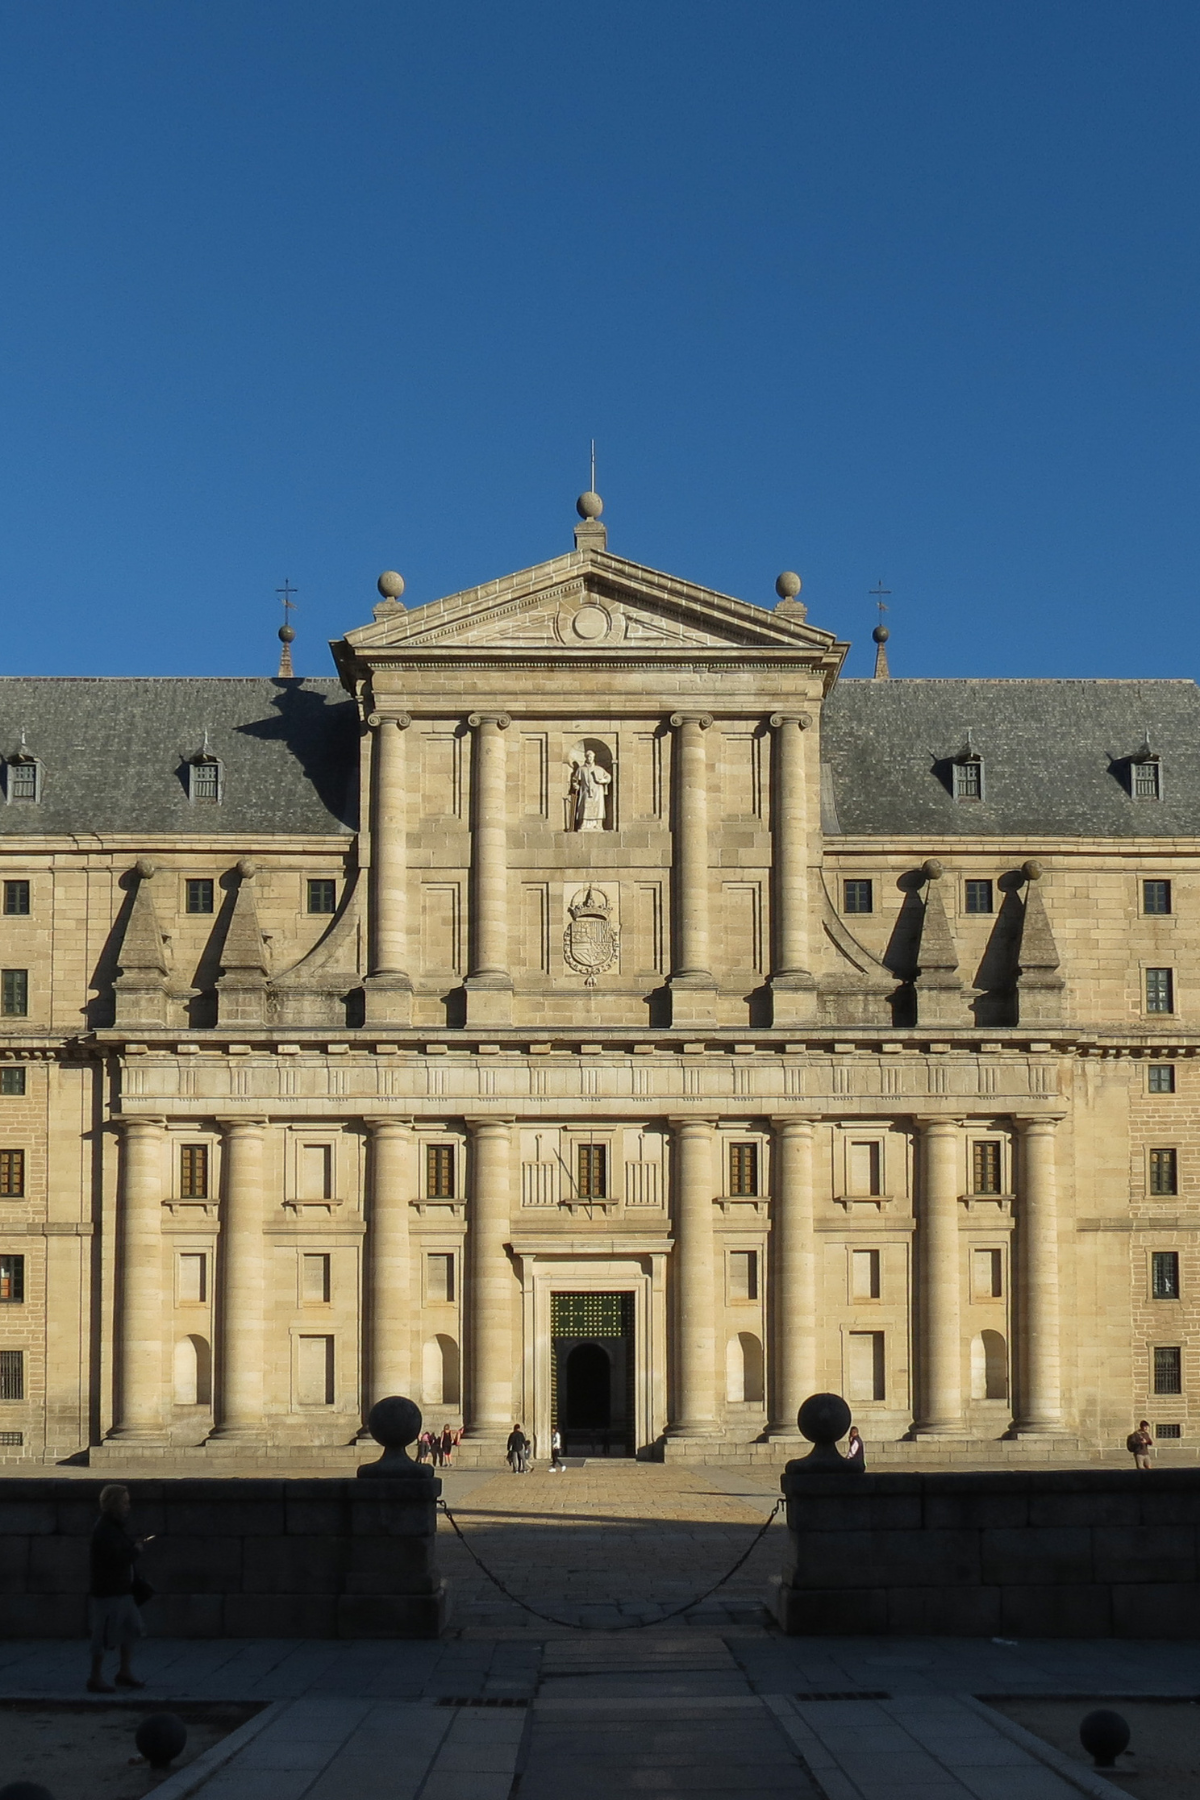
(160,1738)
(824,1418)
(25,1790)
(390,585)
(788,585)
(589,505)
(395,1422)
(1104,1734)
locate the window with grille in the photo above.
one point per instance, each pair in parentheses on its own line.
(864,1274)
(193,1171)
(968,779)
(193,1278)
(315,1275)
(322,896)
(979,897)
(16,899)
(1156,896)
(12,1437)
(1147,779)
(858,896)
(12,1279)
(12,1174)
(12,1081)
(439,1278)
(199,895)
(743,1168)
(591,1315)
(204,781)
(1164,1274)
(1168,1431)
(1164,1171)
(1168,1369)
(14,993)
(986,1170)
(1160,1078)
(591,1171)
(12,1374)
(439,1171)
(743,1275)
(1160,991)
(23,781)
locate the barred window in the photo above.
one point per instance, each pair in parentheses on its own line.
(1147,779)
(16,899)
(23,783)
(1164,1172)
(858,896)
(14,993)
(439,1171)
(743,1168)
(1156,896)
(985,1167)
(1160,991)
(12,1081)
(204,780)
(979,897)
(322,896)
(12,1174)
(968,779)
(1168,1431)
(1168,1369)
(1164,1274)
(12,1374)
(199,895)
(12,1279)
(1160,1078)
(193,1171)
(591,1164)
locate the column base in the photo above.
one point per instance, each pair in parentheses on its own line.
(939,1430)
(489,999)
(1037,1428)
(793,998)
(693,999)
(388,999)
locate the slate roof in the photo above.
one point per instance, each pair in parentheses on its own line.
(1055,757)
(113,754)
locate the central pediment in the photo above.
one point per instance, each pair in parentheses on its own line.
(590,603)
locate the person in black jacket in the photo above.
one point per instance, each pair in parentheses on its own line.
(115,1620)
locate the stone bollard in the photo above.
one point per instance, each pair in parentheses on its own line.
(823,1419)
(392,1586)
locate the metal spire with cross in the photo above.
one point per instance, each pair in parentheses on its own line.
(881,633)
(286,633)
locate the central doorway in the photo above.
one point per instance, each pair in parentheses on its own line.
(592,1368)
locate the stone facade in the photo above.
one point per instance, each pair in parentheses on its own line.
(594,1008)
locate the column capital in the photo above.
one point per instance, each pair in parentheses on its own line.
(234,1124)
(401,720)
(501,720)
(398,1122)
(703,720)
(681,1121)
(1047,1122)
(139,1122)
(927,1123)
(785,1122)
(803,720)
(478,1125)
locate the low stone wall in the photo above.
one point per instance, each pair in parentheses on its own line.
(1101,1553)
(323,1559)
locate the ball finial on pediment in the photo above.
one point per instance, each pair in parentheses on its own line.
(788,586)
(390,585)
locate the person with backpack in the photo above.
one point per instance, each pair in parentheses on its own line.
(1141,1445)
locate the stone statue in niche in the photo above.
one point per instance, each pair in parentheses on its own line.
(588,792)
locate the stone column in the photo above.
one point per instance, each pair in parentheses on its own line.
(489,983)
(937,1297)
(388,987)
(490,1283)
(695,1385)
(388,1273)
(139,1412)
(793,1290)
(693,989)
(1039,1396)
(239,1331)
(793,989)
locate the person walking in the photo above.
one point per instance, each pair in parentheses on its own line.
(856,1450)
(1141,1444)
(557,1466)
(116,1623)
(517,1451)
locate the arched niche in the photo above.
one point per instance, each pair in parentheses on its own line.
(440,1378)
(989,1366)
(193,1371)
(744,1369)
(573,803)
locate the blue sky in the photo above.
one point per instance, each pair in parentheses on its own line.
(868,290)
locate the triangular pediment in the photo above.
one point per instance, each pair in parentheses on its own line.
(589,602)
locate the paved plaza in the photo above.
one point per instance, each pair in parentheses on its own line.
(711,1702)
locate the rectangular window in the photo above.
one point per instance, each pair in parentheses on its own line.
(979,896)
(12,1081)
(1168,1431)
(439,1171)
(12,1374)
(315,1276)
(14,993)
(439,1278)
(316,1171)
(1168,1369)
(989,1274)
(1156,896)
(322,896)
(12,1279)
(23,781)
(866,1369)
(1164,1172)
(1160,1078)
(743,1168)
(864,1274)
(591,1164)
(743,1275)
(1160,991)
(193,1171)
(12,1174)
(204,781)
(315,1371)
(193,1278)
(1164,1274)
(986,1175)
(1147,781)
(858,896)
(199,896)
(16,899)
(865,1167)
(968,779)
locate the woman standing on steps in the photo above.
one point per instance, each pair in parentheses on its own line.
(856,1450)
(112,1603)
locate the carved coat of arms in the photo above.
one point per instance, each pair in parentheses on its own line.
(590,940)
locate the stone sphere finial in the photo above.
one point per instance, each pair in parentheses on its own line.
(286,635)
(589,505)
(161,1738)
(881,634)
(932,869)
(1104,1734)
(390,585)
(395,1422)
(1032,870)
(788,585)
(823,1419)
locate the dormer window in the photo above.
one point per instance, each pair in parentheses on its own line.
(22,777)
(968,777)
(204,779)
(1147,778)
